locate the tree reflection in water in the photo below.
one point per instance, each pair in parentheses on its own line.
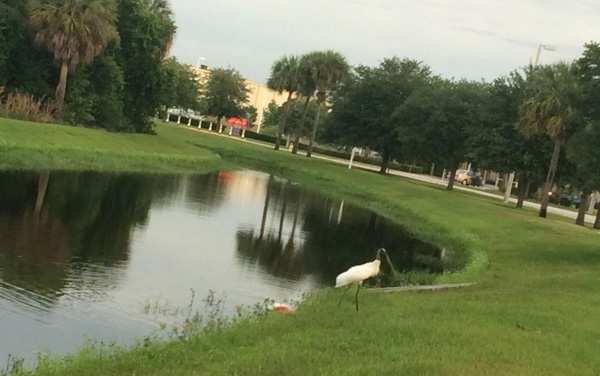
(67,241)
(63,228)
(332,237)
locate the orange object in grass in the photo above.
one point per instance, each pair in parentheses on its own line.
(283,308)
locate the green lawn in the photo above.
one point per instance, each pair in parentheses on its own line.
(534,311)
(25,145)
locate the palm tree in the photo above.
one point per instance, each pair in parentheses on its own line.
(549,111)
(306,89)
(75,31)
(284,77)
(328,69)
(163,13)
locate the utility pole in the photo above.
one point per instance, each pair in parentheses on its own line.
(511,176)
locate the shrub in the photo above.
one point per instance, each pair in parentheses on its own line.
(23,106)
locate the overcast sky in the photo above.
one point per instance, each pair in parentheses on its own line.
(458,38)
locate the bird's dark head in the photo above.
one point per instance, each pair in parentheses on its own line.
(380,251)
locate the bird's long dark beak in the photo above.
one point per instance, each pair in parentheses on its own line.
(388,260)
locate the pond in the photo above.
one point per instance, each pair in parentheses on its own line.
(85,254)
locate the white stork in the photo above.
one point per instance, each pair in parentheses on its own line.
(357,274)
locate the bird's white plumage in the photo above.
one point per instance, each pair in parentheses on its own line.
(358,273)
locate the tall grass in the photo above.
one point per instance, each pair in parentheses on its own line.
(16,105)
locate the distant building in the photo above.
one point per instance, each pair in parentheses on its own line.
(259,96)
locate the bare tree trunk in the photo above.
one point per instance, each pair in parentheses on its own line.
(451,180)
(385,163)
(42,186)
(283,209)
(265,210)
(299,134)
(585,200)
(550,178)
(523,190)
(61,89)
(314,132)
(296,216)
(286,109)
(597,222)
(296,143)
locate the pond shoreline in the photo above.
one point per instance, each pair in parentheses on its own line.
(542,272)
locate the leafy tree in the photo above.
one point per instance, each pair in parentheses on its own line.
(23,66)
(75,31)
(364,106)
(327,69)
(180,88)
(225,93)
(146,30)
(435,121)
(272,116)
(79,99)
(251,113)
(588,73)
(550,110)
(299,122)
(496,144)
(583,148)
(302,122)
(285,77)
(95,93)
(107,85)
(583,151)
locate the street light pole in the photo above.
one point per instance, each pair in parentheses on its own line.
(511,176)
(539,52)
(198,62)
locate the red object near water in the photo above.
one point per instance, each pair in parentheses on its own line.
(283,308)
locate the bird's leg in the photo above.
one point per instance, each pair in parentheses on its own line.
(356,296)
(344,294)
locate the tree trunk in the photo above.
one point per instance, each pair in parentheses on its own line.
(597,222)
(585,200)
(61,89)
(296,143)
(523,190)
(42,186)
(385,162)
(296,217)
(550,178)
(451,180)
(265,210)
(299,134)
(283,209)
(314,132)
(286,109)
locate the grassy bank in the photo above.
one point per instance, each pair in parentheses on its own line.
(26,145)
(534,311)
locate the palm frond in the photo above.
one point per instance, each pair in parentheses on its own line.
(75,31)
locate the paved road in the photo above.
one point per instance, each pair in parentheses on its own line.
(425,178)
(482,192)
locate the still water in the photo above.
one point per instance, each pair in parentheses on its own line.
(84,254)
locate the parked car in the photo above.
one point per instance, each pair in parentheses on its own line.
(468,178)
(577,201)
(564,199)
